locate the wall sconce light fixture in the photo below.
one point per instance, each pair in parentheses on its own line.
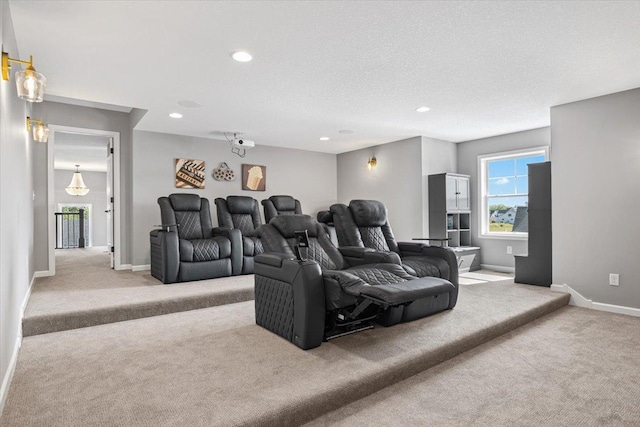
(76,186)
(40,130)
(29,82)
(372,163)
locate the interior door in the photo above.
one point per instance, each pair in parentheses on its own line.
(109,207)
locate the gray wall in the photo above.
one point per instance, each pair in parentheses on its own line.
(494,251)
(596,196)
(437,157)
(97,196)
(399,180)
(54,113)
(396,182)
(308,176)
(16,205)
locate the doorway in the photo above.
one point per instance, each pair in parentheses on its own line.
(97,154)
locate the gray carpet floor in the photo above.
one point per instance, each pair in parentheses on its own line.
(574,367)
(214,366)
(85,292)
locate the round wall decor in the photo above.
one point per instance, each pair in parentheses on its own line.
(223,172)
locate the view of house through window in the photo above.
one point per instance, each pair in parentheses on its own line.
(505,191)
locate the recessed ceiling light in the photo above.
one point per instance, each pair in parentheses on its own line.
(324,138)
(190,104)
(175,115)
(422,109)
(345,131)
(242,56)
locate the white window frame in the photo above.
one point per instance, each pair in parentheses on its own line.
(483,184)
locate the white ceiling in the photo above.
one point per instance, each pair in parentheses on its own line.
(484,68)
(90,152)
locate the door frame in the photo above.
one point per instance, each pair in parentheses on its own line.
(51,190)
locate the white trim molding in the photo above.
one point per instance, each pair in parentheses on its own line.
(144,267)
(498,268)
(6,381)
(578,300)
(11,368)
(44,273)
(117,202)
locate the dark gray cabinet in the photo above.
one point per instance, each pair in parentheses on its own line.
(535,268)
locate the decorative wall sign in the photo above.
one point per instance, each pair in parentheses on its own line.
(189,173)
(254,177)
(223,172)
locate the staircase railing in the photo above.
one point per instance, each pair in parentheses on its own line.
(70,229)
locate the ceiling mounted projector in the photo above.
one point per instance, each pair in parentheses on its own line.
(239,146)
(242,143)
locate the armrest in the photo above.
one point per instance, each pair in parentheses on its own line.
(417,249)
(283,284)
(235,236)
(165,262)
(356,255)
(167,227)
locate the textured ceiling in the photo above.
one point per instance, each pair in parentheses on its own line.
(484,68)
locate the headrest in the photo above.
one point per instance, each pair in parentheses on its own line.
(185,202)
(241,204)
(283,203)
(368,213)
(325,217)
(287,225)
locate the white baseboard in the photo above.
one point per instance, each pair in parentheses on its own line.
(498,268)
(6,381)
(11,368)
(45,273)
(143,267)
(123,267)
(578,300)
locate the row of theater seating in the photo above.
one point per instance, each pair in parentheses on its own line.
(189,248)
(315,291)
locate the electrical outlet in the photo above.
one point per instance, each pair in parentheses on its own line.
(509,250)
(614,279)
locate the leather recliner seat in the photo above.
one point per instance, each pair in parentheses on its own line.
(280,205)
(242,213)
(329,294)
(364,224)
(188,247)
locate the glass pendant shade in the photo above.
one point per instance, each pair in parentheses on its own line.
(41,133)
(76,186)
(30,85)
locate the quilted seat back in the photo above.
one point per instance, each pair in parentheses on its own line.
(280,205)
(364,223)
(279,236)
(191,213)
(239,212)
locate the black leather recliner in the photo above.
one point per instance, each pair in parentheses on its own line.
(280,205)
(188,247)
(364,223)
(330,295)
(242,213)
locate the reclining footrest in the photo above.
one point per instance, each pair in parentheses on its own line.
(405,292)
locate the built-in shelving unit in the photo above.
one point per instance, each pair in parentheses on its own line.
(450,216)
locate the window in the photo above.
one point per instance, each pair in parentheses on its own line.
(504,186)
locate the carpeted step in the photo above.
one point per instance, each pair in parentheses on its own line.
(216,367)
(61,310)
